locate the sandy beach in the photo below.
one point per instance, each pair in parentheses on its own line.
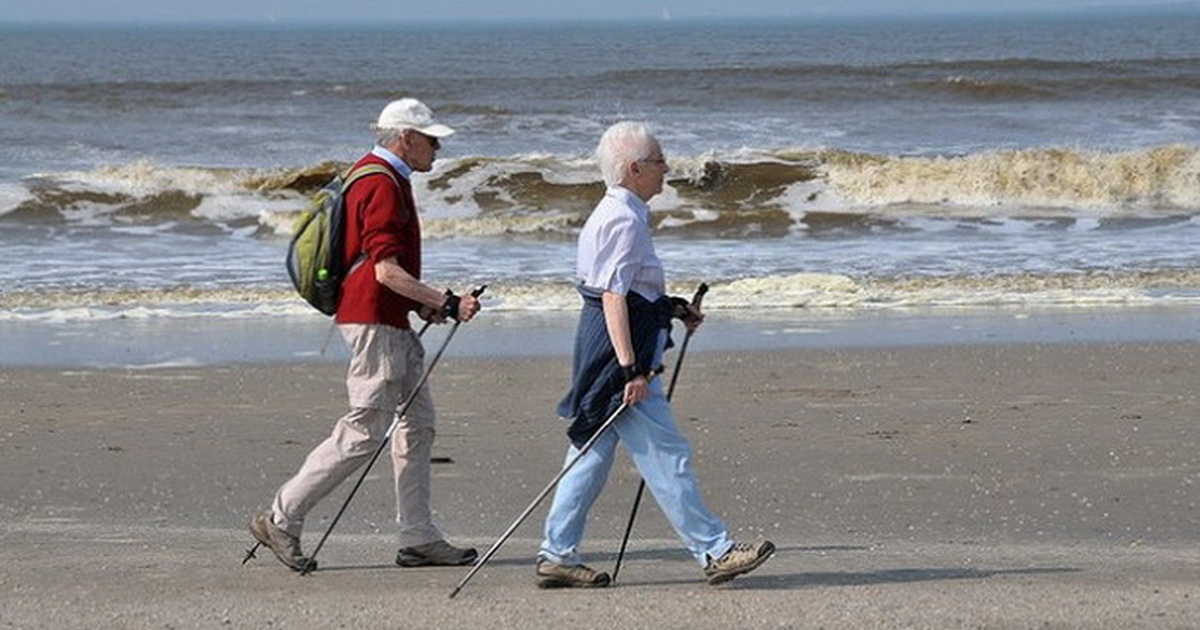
(1001,485)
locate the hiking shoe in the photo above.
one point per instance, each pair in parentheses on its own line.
(438,553)
(741,558)
(551,575)
(285,545)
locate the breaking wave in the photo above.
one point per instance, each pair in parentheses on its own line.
(781,293)
(744,194)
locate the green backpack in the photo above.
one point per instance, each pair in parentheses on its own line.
(316,253)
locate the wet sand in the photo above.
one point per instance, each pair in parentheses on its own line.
(1006,485)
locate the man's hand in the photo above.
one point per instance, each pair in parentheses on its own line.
(689,312)
(431,315)
(459,308)
(637,385)
(468,307)
(636,390)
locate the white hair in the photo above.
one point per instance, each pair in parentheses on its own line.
(621,145)
(386,136)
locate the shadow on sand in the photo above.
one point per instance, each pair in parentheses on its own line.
(794,581)
(767,580)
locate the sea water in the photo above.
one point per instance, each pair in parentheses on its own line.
(817,166)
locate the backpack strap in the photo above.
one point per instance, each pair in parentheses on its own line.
(354,175)
(366,169)
(349,178)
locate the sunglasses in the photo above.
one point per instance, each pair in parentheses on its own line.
(433,142)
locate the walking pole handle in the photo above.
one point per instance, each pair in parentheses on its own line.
(699,295)
(476,293)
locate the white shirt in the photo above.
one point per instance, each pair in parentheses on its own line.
(615,250)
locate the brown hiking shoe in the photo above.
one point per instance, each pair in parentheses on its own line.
(438,553)
(551,575)
(285,545)
(741,558)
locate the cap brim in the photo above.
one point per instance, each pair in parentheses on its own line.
(437,130)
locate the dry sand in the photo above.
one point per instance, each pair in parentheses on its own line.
(968,486)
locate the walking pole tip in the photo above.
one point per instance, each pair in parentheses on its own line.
(250,553)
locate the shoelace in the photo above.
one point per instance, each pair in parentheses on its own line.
(736,548)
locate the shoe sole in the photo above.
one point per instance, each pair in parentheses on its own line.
(767,552)
(410,562)
(553,582)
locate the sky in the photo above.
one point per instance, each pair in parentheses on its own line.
(402,11)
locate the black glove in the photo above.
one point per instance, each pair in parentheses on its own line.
(450,306)
(680,308)
(630,372)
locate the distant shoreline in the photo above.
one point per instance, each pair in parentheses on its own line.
(155,343)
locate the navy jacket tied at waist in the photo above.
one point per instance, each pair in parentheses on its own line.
(597,382)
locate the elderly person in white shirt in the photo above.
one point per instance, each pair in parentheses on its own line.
(623,331)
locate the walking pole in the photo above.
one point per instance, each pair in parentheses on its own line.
(637,499)
(545,491)
(311,565)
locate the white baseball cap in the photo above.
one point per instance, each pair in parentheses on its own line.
(409,113)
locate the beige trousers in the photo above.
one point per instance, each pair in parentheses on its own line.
(385,366)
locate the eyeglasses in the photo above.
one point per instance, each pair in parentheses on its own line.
(659,161)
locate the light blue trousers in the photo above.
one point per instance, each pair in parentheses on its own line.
(663,457)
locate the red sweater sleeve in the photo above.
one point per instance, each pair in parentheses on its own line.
(383,215)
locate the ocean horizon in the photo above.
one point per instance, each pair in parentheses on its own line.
(662,16)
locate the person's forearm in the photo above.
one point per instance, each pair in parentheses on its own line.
(391,275)
(616,319)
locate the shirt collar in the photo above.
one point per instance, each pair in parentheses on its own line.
(626,196)
(404,169)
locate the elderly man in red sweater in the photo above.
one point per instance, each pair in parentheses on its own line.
(383,244)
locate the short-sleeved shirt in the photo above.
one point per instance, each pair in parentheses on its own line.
(616,252)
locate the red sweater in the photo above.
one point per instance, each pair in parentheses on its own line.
(381,221)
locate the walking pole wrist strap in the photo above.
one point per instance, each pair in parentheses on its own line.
(450,306)
(630,372)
